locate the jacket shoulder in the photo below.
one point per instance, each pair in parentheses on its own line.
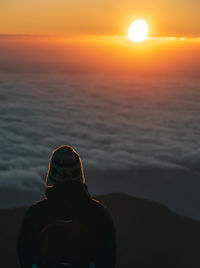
(97,205)
(40,205)
(100,209)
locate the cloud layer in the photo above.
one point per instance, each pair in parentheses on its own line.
(121,125)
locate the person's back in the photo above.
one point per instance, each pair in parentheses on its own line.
(68,228)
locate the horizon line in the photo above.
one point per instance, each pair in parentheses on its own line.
(170,37)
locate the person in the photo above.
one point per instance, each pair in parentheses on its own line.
(68,199)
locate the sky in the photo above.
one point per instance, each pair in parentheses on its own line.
(174,57)
(92,36)
(99,17)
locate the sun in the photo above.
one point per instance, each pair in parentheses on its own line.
(138,31)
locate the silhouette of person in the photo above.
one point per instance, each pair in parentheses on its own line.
(67,200)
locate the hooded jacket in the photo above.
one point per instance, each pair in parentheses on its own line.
(66,199)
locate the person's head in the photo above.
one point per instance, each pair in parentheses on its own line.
(65,165)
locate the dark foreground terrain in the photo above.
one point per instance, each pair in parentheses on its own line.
(148,234)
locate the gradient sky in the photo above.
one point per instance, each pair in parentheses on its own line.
(93,36)
(104,17)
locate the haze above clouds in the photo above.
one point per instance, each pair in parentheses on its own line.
(156,56)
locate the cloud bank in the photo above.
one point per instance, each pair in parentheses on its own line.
(139,136)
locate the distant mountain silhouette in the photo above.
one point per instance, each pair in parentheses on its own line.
(148,234)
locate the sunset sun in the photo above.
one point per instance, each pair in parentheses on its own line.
(138,31)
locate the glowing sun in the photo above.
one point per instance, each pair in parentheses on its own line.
(138,31)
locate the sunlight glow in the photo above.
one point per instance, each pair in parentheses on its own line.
(138,31)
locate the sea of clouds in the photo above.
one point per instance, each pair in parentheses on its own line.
(136,135)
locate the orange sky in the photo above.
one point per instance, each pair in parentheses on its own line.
(87,54)
(92,35)
(103,17)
